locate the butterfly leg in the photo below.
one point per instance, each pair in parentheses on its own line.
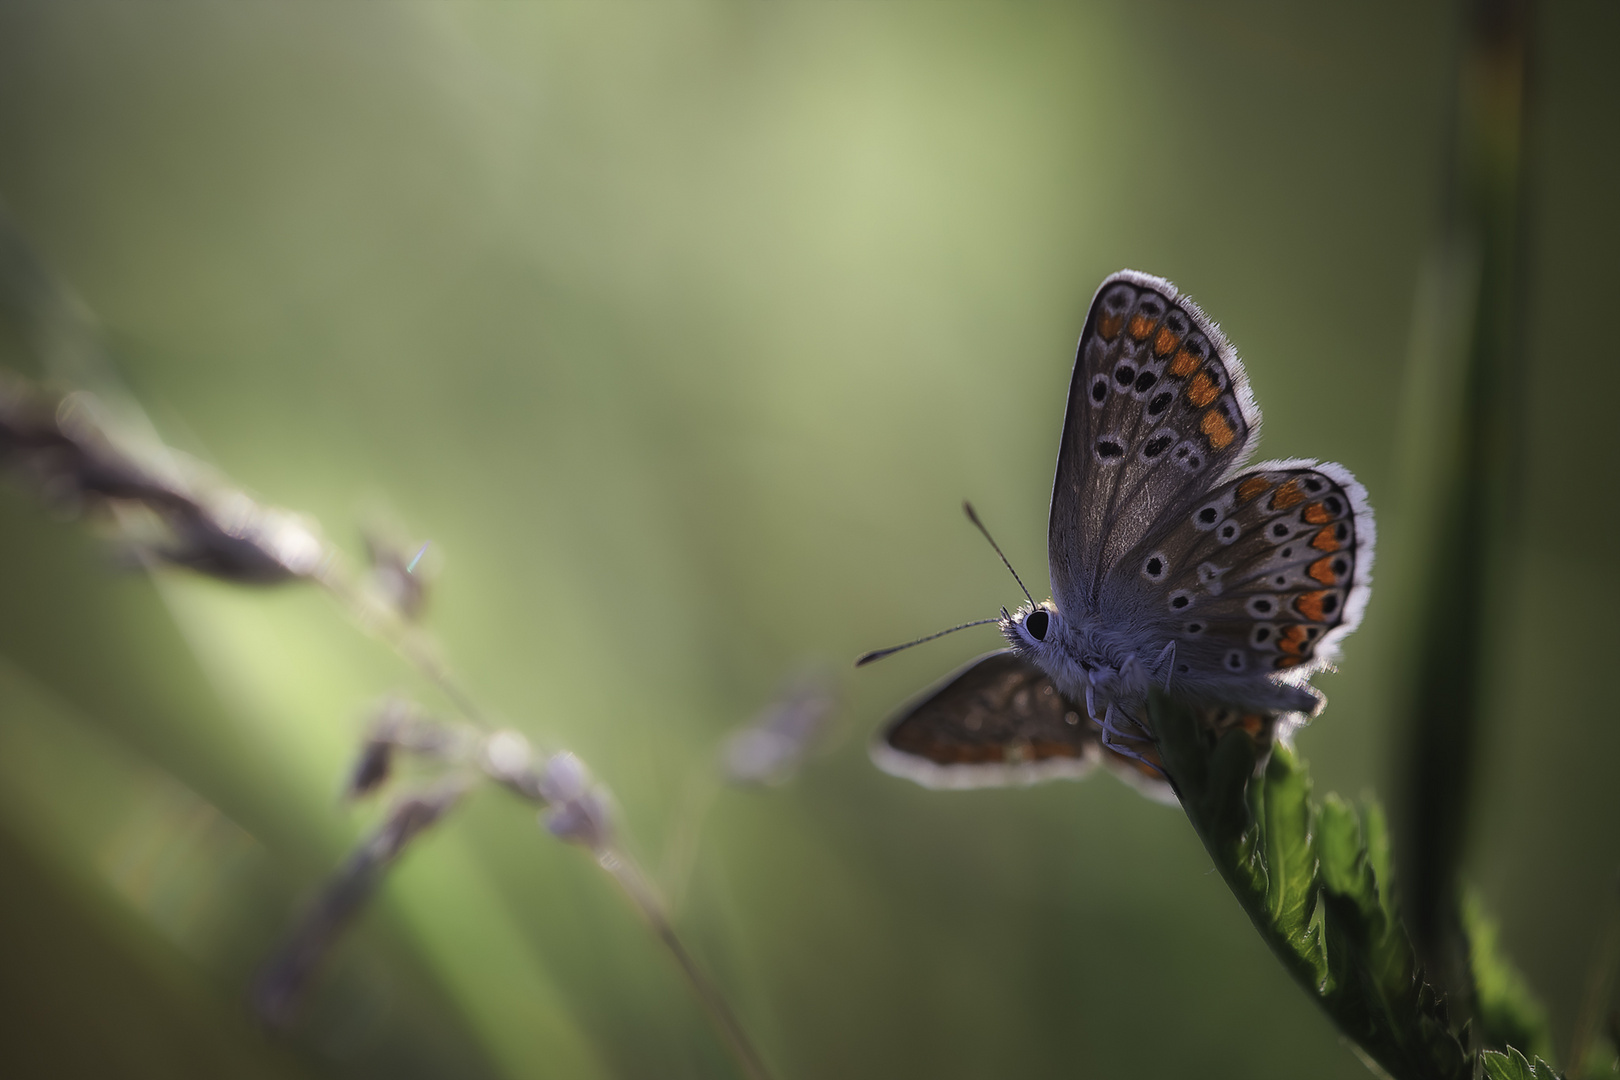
(1113,722)
(1109,731)
(1091,704)
(1112,731)
(1131,675)
(1142,730)
(1167,662)
(1137,723)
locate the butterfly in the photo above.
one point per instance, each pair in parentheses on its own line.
(1171,566)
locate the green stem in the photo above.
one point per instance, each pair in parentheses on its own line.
(1472,448)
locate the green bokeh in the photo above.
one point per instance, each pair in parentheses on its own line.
(682,330)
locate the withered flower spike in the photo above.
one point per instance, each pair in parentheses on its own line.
(235,539)
(283,980)
(399,725)
(772,746)
(60,447)
(398,580)
(71,462)
(506,757)
(407,726)
(371,769)
(578,810)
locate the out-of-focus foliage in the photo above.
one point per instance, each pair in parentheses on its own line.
(1507,1011)
(682,330)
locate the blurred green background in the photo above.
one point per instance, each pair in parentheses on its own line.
(682,330)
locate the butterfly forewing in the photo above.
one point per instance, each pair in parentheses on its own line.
(1264,575)
(996,722)
(1159,409)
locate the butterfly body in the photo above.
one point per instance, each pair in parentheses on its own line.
(1171,565)
(1091,656)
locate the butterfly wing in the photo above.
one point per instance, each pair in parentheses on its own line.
(1264,576)
(997,722)
(1000,722)
(1159,410)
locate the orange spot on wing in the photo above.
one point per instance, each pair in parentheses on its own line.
(1310,605)
(1165,341)
(1253,487)
(1317,514)
(1219,431)
(1141,326)
(1326,540)
(1286,662)
(1108,326)
(1292,640)
(1252,723)
(1322,570)
(1201,391)
(1184,364)
(1287,495)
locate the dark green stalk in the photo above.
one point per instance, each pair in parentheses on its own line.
(1476,313)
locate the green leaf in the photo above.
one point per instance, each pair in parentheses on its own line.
(1375,830)
(1512,1065)
(1283,808)
(1313,880)
(1339,842)
(1507,1013)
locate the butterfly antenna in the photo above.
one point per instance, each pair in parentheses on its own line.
(879,654)
(974,517)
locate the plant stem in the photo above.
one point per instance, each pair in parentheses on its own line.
(641,894)
(1476,318)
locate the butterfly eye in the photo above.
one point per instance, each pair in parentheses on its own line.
(1037,622)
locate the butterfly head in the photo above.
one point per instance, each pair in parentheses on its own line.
(1033,630)
(1065,652)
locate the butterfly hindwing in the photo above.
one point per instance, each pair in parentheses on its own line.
(1159,410)
(1261,577)
(998,721)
